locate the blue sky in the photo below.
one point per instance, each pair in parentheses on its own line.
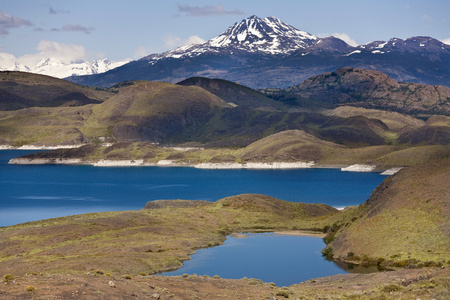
(76,30)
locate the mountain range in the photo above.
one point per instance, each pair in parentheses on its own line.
(268,53)
(56,68)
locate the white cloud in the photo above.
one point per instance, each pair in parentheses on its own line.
(6,60)
(65,53)
(173,41)
(446,41)
(141,51)
(194,39)
(346,38)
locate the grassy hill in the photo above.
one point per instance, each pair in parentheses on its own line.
(153,111)
(19,90)
(405,221)
(234,93)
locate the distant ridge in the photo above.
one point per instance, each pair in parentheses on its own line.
(268,53)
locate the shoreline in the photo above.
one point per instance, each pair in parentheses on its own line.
(203,165)
(209,166)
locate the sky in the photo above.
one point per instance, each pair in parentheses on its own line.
(74,31)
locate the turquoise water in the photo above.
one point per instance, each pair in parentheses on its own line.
(34,192)
(284,260)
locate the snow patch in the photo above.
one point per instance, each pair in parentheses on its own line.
(353,52)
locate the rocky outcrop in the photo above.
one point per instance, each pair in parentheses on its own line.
(373,89)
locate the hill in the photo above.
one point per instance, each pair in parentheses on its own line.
(234,93)
(153,111)
(405,220)
(217,113)
(19,90)
(368,89)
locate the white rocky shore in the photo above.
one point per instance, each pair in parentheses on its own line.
(391,171)
(119,163)
(359,168)
(45,161)
(273,165)
(35,147)
(172,163)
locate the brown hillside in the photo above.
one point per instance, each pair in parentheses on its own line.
(373,89)
(19,90)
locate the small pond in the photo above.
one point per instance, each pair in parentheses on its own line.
(282,259)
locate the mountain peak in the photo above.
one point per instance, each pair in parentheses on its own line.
(269,35)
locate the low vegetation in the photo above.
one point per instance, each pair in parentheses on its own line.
(404,225)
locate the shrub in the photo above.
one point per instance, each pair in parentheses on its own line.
(142,273)
(98,272)
(283,293)
(328,253)
(8,277)
(129,277)
(392,287)
(30,288)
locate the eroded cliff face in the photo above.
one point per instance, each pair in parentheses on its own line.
(407,218)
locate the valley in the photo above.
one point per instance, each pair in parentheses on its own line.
(261,95)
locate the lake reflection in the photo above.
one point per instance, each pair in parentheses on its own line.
(282,259)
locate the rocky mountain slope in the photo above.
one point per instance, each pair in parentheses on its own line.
(268,53)
(368,89)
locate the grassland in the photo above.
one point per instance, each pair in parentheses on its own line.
(83,255)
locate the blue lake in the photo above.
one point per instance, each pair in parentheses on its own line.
(282,259)
(35,192)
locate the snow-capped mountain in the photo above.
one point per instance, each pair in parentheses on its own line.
(56,68)
(253,35)
(267,52)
